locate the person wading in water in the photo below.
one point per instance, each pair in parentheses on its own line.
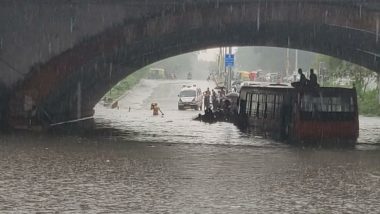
(156,109)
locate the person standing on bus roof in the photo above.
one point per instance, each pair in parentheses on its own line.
(313,79)
(303,80)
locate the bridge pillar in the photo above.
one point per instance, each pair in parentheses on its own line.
(79,101)
(4,96)
(24,111)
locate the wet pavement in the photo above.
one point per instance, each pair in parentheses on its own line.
(133,162)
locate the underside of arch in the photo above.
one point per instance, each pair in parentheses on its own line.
(96,64)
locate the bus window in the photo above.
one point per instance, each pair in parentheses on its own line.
(327,107)
(308,102)
(352,105)
(264,109)
(270,106)
(274,106)
(279,99)
(248,104)
(259,105)
(254,105)
(334,104)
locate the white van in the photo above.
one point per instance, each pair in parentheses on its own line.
(190,97)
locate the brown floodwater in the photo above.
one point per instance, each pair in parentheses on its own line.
(129,161)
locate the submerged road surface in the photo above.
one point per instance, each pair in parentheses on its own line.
(133,162)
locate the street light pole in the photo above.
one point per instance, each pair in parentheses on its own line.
(321,73)
(287,62)
(229,72)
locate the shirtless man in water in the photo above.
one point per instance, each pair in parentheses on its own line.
(156,109)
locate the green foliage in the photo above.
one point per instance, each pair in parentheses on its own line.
(271,59)
(180,65)
(368,99)
(336,68)
(368,103)
(124,85)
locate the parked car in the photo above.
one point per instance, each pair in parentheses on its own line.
(190,97)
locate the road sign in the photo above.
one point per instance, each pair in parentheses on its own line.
(229,60)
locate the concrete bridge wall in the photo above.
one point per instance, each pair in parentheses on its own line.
(67,55)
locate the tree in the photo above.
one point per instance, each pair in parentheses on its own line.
(337,68)
(368,98)
(271,59)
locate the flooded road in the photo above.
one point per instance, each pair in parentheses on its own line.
(133,162)
(174,126)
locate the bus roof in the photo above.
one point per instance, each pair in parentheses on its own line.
(329,91)
(265,86)
(252,85)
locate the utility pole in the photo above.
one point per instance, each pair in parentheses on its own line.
(287,62)
(224,57)
(79,100)
(321,72)
(221,65)
(229,71)
(217,63)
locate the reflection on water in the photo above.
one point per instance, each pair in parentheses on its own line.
(132,162)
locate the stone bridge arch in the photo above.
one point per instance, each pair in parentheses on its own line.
(70,84)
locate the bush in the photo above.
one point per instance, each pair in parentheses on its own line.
(368,103)
(126,84)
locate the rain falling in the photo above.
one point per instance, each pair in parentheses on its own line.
(189,106)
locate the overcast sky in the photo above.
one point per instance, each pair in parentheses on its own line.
(210,54)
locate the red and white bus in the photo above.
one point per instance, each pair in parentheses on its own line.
(323,114)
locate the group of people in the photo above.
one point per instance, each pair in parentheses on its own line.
(215,101)
(216,104)
(304,82)
(221,106)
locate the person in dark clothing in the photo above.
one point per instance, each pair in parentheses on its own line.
(313,79)
(206,98)
(303,80)
(214,100)
(32,116)
(209,115)
(227,109)
(222,92)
